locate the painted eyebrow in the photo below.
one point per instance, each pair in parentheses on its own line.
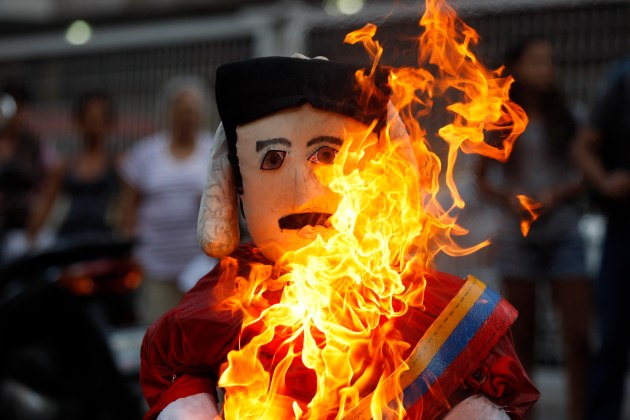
(261,144)
(325,139)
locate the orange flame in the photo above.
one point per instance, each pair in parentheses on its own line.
(532,209)
(340,294)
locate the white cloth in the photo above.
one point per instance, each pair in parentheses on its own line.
(477,407)
(170,190)
(196,407)
(203,407)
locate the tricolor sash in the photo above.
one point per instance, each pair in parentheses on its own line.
(449,351)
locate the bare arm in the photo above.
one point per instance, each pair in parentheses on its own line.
(45,201)
(492,192)
(131,198)
(586,152)
(554,196)
(561,193)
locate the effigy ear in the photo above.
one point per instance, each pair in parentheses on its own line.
(217,225)
(397,131)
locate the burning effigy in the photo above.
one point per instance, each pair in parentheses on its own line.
(336,309)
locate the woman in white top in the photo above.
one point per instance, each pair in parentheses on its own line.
(165,176)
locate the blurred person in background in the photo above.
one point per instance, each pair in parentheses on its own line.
(88,181)
(539,167)
(603,152)
(22,169)
(165,177)
(60,310)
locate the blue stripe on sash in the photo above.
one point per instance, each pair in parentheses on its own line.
(452,347)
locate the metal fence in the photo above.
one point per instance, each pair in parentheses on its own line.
(133,76)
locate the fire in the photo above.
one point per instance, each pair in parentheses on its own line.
(340,294)
(532,212)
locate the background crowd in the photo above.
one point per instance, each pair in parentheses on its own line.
(150,193)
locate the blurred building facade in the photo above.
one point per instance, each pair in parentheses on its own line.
(135,45)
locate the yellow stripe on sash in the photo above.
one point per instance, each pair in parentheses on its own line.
(427,347)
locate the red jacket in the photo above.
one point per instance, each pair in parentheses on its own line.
(183,351)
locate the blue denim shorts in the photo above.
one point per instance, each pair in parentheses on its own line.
(561,257)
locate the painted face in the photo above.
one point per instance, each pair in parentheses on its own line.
(285,205)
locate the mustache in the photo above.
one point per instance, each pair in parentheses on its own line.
(299,220)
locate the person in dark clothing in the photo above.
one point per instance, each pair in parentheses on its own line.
(88,180)
(603,152)
(21,165)
(552,251)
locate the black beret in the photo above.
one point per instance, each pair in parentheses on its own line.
(252,89)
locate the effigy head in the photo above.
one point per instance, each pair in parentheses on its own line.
(282,118)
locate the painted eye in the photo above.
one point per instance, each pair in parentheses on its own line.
(273,159)
(324,155)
